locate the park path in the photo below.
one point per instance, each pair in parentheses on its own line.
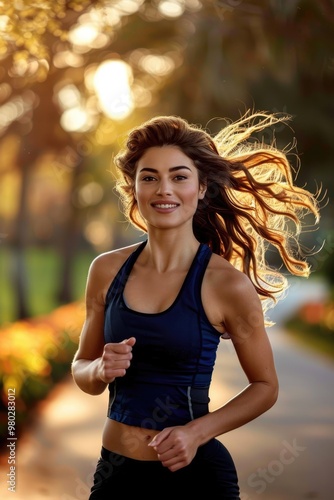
(286,454)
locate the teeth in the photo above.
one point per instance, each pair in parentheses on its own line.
(164,205)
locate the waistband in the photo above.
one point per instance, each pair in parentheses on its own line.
(117,459)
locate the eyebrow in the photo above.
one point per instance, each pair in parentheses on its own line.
(172,169)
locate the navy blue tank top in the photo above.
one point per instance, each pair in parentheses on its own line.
(173,358)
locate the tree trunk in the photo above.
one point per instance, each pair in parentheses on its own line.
(20,240)
(69,243)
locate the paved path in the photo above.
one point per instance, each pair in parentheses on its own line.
(286,454)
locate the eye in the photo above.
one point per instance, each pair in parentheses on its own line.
(180,177)
(148,178)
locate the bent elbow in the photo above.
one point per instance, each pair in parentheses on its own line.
(273,395)
(84,374)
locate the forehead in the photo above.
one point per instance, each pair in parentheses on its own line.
(165,156)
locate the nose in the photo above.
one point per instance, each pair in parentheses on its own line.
(164,187)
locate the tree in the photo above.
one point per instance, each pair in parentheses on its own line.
(196,59)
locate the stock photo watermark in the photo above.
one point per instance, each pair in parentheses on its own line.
(11,439)
(264,476)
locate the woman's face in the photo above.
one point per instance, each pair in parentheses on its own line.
(167,188)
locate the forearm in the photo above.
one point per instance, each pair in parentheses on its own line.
(85,373)
(254,400)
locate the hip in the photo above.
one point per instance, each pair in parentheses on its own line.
(212,467)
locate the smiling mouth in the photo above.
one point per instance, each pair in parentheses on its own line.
(165,205)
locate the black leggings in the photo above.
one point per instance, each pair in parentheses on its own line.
(212,469)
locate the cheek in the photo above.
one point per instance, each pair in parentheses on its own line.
(137,191)
(141,195)
(193,195)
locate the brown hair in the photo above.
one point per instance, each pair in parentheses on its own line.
(251,201)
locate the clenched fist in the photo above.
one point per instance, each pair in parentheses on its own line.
(115,360)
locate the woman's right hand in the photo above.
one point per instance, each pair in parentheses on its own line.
(115,360)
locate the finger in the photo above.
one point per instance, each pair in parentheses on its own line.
(131,341)
(119,348)
(116,364)
(173,463)
(113,357)
(159,438)
(177,466)
(109,377)
(112,374)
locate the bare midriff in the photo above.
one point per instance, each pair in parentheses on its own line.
(129,441)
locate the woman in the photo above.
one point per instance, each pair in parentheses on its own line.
(156,310)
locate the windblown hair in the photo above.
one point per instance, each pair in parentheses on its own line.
(251,201)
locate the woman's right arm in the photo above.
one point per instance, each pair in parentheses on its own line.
(95,363)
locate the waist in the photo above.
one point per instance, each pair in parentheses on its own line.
(129,441)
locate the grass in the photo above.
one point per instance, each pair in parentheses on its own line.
(43,272)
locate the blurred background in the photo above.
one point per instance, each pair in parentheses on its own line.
(75,76)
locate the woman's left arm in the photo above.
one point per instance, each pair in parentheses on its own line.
(244,321)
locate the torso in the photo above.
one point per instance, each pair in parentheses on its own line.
(133,441)
(129,441)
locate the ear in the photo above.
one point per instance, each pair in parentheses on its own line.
(201,193)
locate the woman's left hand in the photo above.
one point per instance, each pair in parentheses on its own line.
(175,447)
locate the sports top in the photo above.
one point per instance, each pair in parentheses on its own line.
(168,380)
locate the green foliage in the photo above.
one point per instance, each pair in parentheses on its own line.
(42,281)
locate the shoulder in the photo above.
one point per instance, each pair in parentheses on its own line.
(113,259)
(225,278)
(105,267)
(229,296)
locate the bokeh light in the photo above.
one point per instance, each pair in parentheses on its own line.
(112,83)
(171,8)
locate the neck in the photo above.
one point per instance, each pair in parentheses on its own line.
(169,251)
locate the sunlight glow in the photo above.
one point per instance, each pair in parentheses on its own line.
(112,81)
(3,22)
(69,96)
(26,67)
(196,5)
(15,108)
(98,233)
(84,34)
(129,6)
(66,58)
(88,195)
(171,8)
(5,91)
(142,96)
(75,120)
(156,64)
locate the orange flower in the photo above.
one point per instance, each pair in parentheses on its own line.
(29,347)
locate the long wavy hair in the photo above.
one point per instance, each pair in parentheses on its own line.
(251,201)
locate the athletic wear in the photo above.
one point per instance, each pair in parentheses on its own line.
(212,470)
(173,358)
(166,384)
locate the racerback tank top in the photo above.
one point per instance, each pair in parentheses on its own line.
(168,380)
